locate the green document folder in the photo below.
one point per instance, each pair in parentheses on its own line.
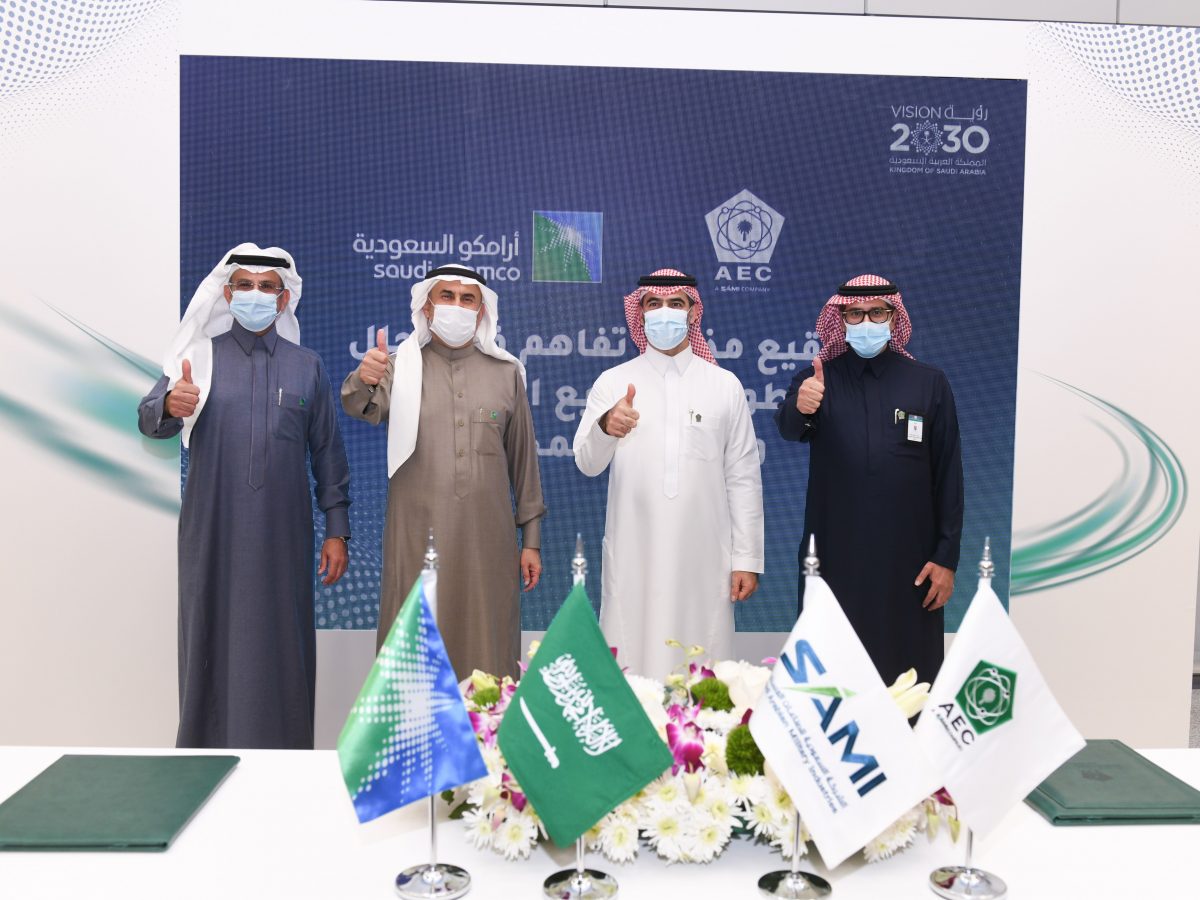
(110,802)
(1106,783)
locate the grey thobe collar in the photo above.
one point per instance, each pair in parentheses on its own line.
(246,338)
(452,353)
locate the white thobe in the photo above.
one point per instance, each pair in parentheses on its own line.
(684,506)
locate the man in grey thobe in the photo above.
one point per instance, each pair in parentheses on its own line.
(252,405)
(460,435)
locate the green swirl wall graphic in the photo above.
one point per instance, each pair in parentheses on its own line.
(88,418)
(1126,518)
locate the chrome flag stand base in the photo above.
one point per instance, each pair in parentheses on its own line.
(579,883)
(441,880)
(794,884)
(433,879)
(966,882)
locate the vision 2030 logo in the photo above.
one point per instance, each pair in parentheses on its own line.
(744,231)
(828,709)
(984,702)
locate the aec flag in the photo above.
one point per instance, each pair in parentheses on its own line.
(991,727)
(835,738)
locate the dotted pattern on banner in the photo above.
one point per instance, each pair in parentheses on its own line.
(1062,63)
(41,40)
(1153,67)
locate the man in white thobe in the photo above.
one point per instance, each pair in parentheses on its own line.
(683,538)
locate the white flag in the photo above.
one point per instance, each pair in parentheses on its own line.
(834,736)
(991,727)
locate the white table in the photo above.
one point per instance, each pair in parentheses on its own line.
(282,826)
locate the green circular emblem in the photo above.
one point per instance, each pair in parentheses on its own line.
(986,697)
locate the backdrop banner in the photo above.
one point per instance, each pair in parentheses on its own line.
(563,184)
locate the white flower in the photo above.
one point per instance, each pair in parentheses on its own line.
(745,682)
(764,821)
(718,720)
(714,755)
(706,839)
(668,792)
(785,838)
(664,831)
(618,838)
(908,694)
(747,789)
(515,836)
(721,808)
(480,830)
(895,837)
(651,694)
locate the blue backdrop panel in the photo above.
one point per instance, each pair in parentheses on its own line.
(567,183)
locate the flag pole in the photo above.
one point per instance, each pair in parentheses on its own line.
(792,883)
(966,882)
(443,881)
(580,883)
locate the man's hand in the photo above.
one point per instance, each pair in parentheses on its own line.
(374,363)
(812,389)
(334,557)
(941,585)
(182,399)
(530,566)
(742,585)
(622,418)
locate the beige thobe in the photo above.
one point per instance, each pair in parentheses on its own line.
(475,440)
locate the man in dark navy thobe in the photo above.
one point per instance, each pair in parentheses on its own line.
(254,407)
(885,487)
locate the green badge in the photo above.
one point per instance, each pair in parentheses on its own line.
(986,697)
(302,401)
(495,414)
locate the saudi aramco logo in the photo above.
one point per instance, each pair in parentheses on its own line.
(567,246)
(986,697)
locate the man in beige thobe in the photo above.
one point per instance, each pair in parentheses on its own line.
(460,434)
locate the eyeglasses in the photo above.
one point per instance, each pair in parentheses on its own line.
(877,315)
(267,287)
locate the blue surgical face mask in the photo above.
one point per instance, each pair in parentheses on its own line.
(868,339)
(666,328)
(254,309)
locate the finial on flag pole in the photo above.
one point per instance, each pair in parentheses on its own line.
(431,554)
(812,565)
(578,562)
(987,568)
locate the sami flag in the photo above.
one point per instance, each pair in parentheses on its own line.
(837,741)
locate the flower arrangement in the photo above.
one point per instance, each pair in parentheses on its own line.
(718,787)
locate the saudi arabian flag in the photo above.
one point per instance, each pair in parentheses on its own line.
(574,734)
(408,734)
(991,727)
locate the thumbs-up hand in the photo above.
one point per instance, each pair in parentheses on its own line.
(374,363)
(812,389)
(622,418)
(181,401)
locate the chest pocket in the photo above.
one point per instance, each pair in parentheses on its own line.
(703,436)
(487,431)
(291,415)
(901,446)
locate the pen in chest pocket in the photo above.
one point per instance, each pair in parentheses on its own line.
(279,402)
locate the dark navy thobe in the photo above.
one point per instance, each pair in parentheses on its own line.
(247,645)
(881,503)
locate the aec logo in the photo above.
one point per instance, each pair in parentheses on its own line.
(984,702)
(744,232)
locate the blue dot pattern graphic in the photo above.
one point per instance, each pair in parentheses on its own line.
(42,41)
(1154,68)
